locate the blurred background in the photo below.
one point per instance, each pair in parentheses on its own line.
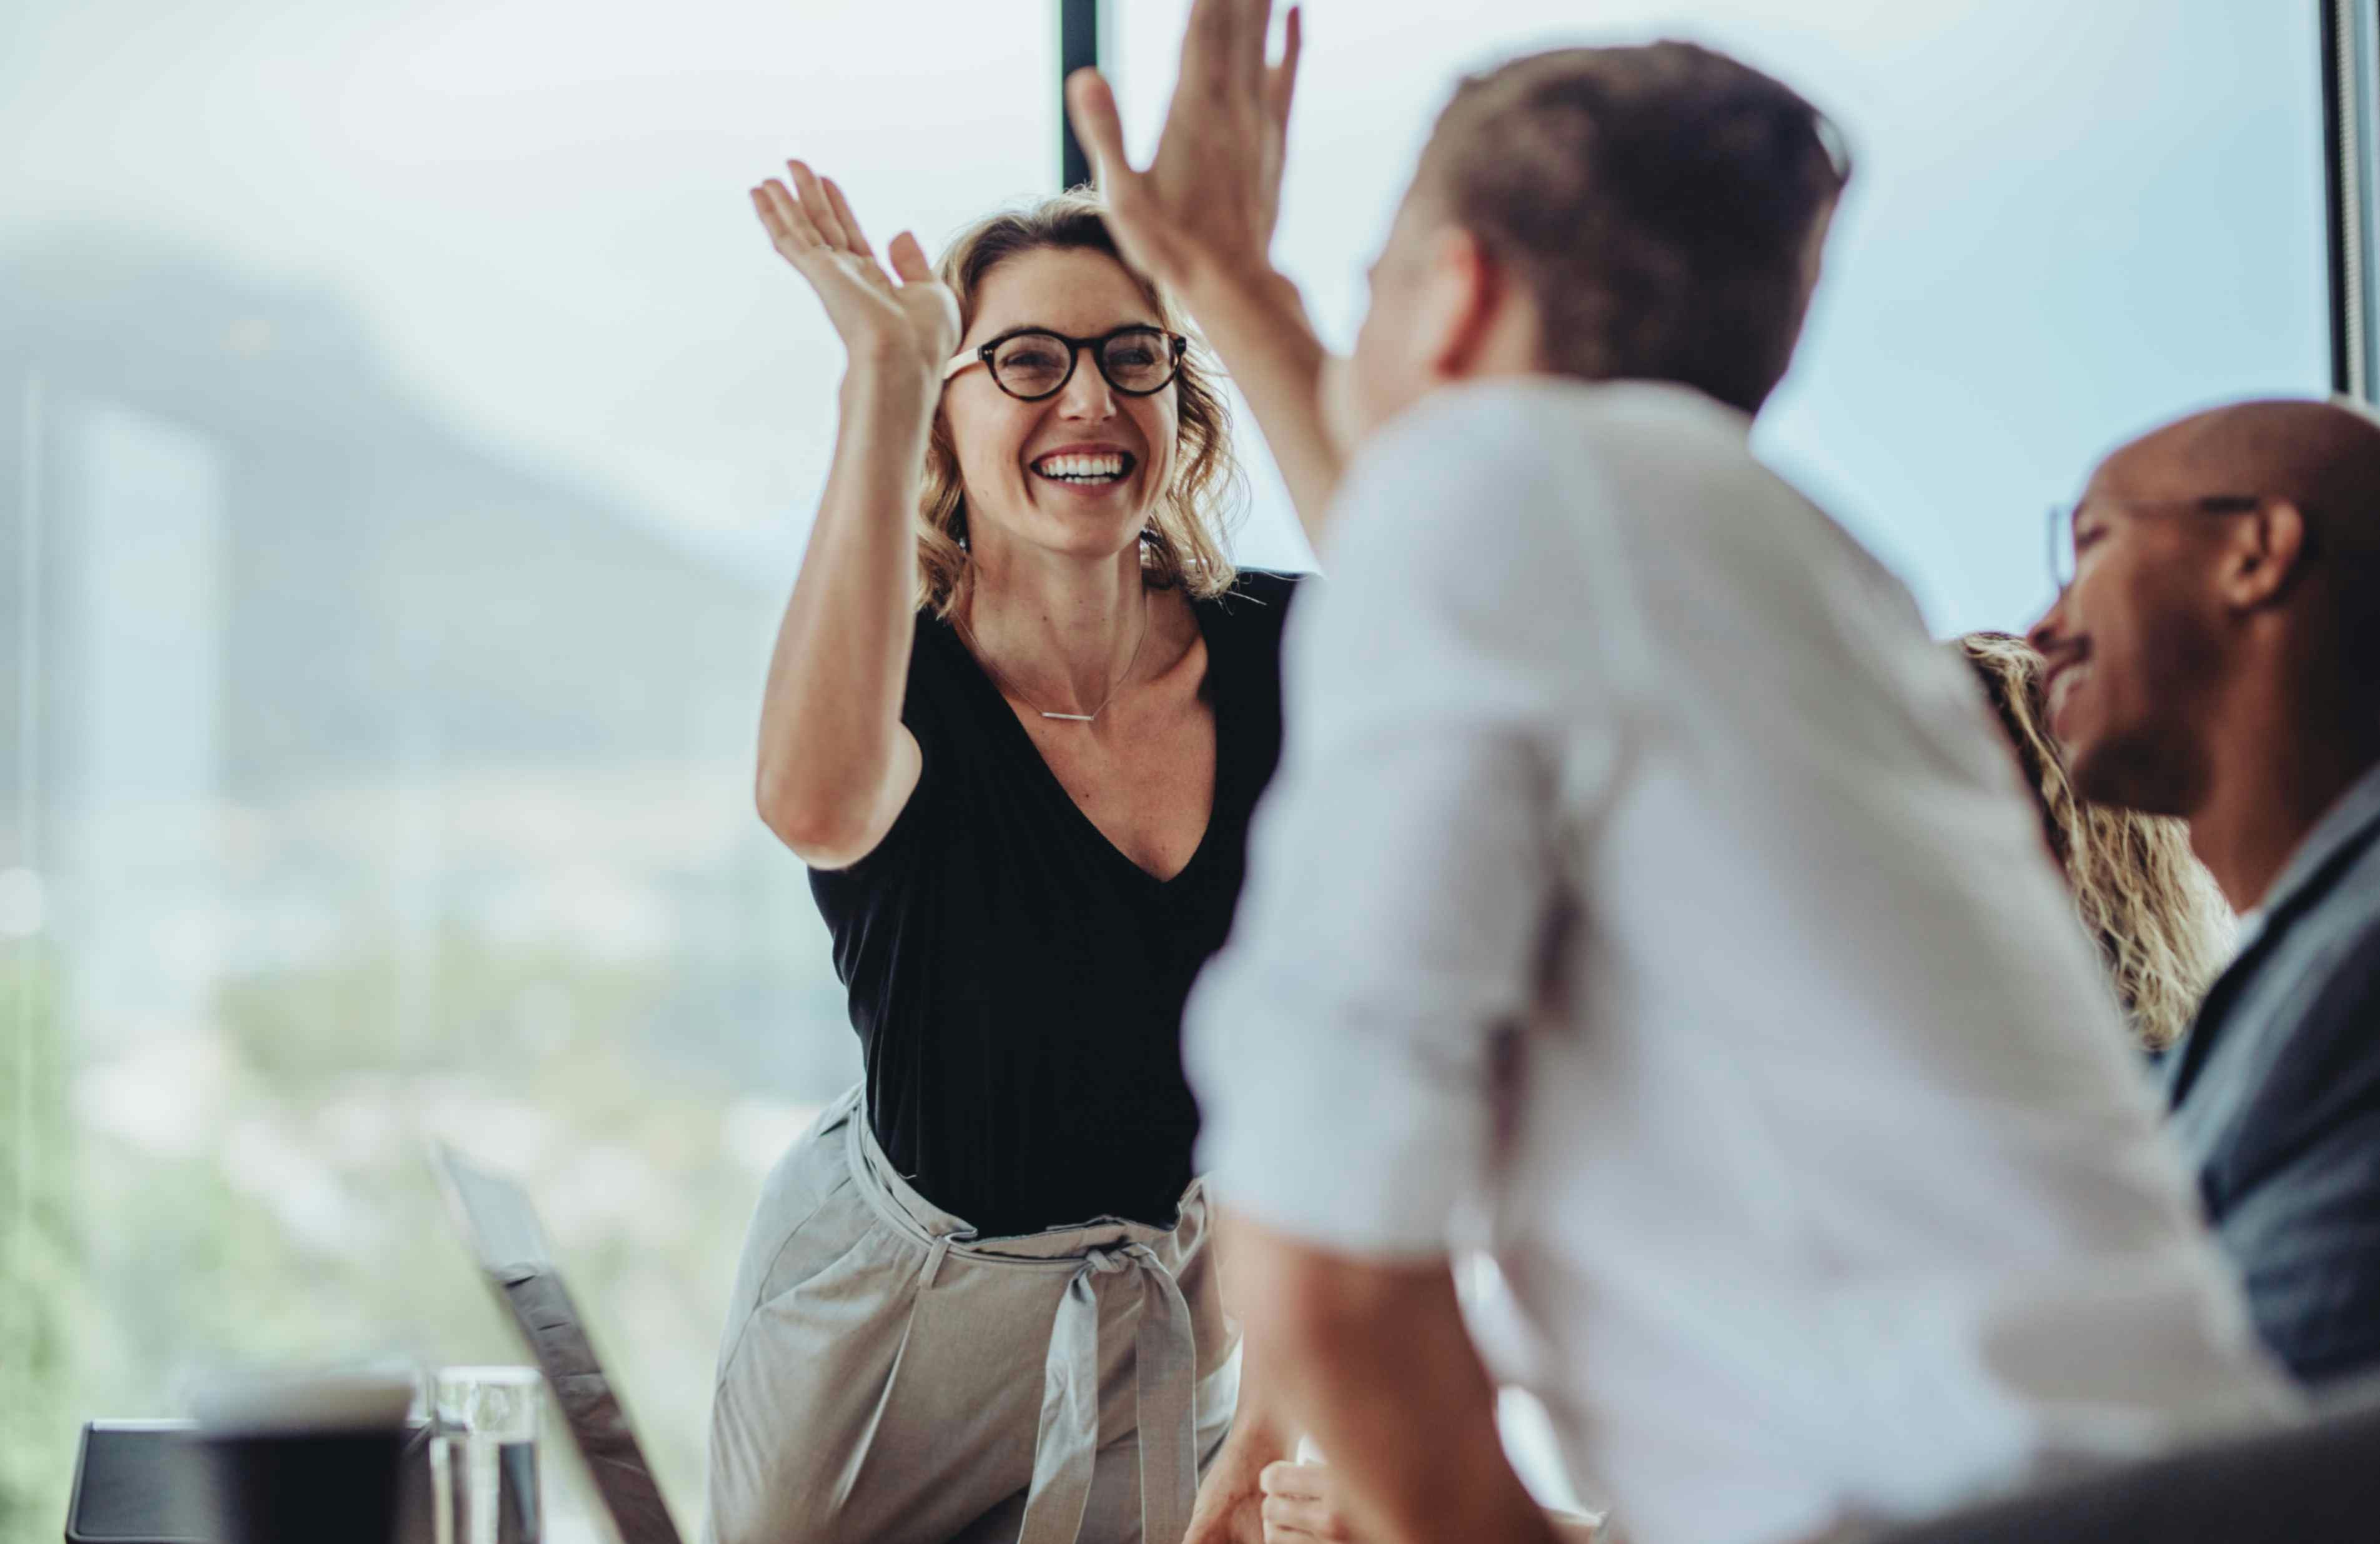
(407,439)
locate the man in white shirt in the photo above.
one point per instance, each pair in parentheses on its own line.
(1642,892)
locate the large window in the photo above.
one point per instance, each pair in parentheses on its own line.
(407,439)
(2067,222)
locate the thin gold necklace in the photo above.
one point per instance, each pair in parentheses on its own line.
(1001,677)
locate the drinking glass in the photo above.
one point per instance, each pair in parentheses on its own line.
(483,1456)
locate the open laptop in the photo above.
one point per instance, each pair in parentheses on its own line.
(504,1236)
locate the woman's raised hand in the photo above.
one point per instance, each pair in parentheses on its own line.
(912,325)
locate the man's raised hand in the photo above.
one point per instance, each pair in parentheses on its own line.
(1203,211)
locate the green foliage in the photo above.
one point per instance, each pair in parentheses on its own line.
(301,1223)
(43,1287)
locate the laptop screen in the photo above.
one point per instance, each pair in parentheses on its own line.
(510,1244)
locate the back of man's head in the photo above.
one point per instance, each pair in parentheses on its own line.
(2323,457)
(1663,207)
(2322,460)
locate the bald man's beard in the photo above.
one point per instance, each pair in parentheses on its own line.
(2144,770)
(2155,760)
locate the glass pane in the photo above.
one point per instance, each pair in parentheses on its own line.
(2067,222)
(407,441)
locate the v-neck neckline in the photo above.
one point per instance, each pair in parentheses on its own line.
(1055,786)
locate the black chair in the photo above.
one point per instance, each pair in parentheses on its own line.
(137,1482)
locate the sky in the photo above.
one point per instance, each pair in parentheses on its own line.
(2068,221)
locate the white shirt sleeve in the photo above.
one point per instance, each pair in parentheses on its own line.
(1403,867)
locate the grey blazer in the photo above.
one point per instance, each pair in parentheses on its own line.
(2276,1097)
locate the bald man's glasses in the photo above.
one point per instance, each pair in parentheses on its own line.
(2063,518)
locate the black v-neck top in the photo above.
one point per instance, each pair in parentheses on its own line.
(1017,982)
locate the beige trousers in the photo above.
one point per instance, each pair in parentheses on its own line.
(887,1378)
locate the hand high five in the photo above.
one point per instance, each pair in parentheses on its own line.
(913,325)
(1205,207)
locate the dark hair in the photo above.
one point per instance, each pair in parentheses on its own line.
(1659,203)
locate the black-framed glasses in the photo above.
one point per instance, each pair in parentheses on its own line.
(1033,363)
(2063,515)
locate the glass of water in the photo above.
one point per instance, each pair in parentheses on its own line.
(483,1456)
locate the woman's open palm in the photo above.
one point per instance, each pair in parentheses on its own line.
(915,322)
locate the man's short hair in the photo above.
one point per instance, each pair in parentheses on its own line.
(1659,204)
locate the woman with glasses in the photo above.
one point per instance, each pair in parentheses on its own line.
(1020,709)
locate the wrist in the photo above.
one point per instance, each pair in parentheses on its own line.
(1246,289)
(1258,324)
(1257,1437)
(888,384)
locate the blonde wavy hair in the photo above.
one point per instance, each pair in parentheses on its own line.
(2161,925)
(1184,543)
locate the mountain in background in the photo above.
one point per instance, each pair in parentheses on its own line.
(375,556)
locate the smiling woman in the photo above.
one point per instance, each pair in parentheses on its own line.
(1020,708)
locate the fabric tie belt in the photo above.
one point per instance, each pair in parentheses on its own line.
(1067,1447)
(1125,1274)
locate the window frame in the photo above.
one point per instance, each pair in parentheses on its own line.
(2350,76)
(2351,81)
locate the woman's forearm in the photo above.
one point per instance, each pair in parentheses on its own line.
(829,720)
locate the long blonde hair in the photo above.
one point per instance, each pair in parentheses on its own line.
(2161,924)
(1184,543)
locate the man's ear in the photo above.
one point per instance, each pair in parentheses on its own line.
(2266,555)
(1458,302)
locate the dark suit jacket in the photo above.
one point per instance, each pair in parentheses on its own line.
(2276,1100)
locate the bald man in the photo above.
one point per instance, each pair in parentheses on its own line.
(2217,656)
